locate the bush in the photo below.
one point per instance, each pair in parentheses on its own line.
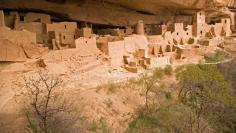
(168,70)
(216,57)
(99,126)
(170,116)
(168,95)
(206,87)
(110,87)
(158,73)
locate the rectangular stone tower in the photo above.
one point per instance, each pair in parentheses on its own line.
(199,24)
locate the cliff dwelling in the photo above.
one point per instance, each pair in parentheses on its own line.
(121,63)
(120,42)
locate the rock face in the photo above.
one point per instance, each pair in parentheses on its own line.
(113,12)
(10,51)
(153,6)
(189,4)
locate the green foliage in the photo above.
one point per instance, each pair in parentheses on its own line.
(158,73)
(149,83)
(204,89)
(229,72)
(132,82)
(111,88)
(94,127)
(168,70)
(216,57)
(171,116)
(227,120)
(168,95)
(179,69)
(99,126)
(205,103)
(33,128)
(201,81)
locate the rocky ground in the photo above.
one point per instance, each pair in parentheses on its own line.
(89,85)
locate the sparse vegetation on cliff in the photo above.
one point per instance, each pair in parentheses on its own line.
(205,103)
(216,57)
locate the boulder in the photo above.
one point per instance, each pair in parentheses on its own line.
(32,51)
(10,51)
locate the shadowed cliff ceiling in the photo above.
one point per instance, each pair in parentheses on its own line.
(113,12)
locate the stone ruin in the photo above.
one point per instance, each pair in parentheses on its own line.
(165,43)
(131,47)
(37,17)
(6,54)
(19,43)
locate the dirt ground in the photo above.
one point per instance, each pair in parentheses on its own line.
(79,85)
(83,83)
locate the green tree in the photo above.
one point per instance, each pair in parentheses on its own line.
(204,89)
(170,117)
(149,82)
(168,70)
(227,119)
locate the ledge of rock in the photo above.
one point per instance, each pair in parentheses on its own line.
(112,12)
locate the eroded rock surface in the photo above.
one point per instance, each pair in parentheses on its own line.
(113,12)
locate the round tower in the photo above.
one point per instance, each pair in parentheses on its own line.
(140,28)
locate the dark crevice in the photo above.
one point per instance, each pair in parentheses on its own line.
(145,13)
(57,1)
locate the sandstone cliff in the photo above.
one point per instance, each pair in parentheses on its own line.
(114,12)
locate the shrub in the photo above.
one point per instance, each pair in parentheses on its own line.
(99,126)
(216,57)
(204,89)
(168,70)
(168,117)
(158,73)
(168,95)
(111,88)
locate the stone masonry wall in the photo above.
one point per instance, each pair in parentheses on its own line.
(18,37)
